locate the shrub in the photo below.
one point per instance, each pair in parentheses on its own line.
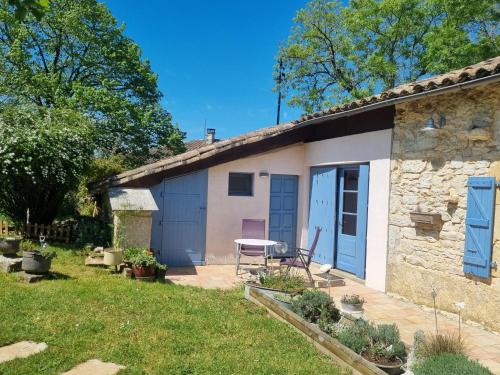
(91,230)
(450,364)
(289,283)
(352,299)
(440,343)
(43,155)
(314,305)
(132,252)
(377,342)
(142,257)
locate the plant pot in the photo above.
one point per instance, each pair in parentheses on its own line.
(352,308)
(139,271)
(160,275)
(35,262)
(113,257)
(391,369)
(9,246)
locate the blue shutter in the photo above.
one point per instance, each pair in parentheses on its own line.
(479,223)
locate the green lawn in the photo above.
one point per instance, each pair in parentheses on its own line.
(151,328)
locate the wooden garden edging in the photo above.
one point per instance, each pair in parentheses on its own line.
(331,346)
(53,232)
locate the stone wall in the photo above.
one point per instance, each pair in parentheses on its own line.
(132,229)
(429,172)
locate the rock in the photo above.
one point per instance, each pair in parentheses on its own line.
(31,278)
(95,367)
(99,249)
(8,264)
(21,349)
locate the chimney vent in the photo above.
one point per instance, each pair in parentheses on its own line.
(210,136)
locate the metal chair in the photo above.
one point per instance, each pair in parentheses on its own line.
(255,229)
(303,257)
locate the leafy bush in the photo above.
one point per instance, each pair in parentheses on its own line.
(142,257)
(289,283)
(91,230)
(314,305)
(43,155)
(352,299)
(28,245)
(376,342)
(450,364)
(432,345)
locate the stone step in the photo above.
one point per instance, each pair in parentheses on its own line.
(95,367)
(22,349)
(32,278)
(10,264)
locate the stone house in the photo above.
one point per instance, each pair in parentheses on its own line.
(388,179)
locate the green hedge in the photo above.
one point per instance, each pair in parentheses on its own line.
(450,364)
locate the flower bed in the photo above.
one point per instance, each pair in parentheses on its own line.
(339,352)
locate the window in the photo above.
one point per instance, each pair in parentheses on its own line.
(240,184)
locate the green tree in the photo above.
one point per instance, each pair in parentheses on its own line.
(23,7)
(78,57)
(43,154)
(338,53)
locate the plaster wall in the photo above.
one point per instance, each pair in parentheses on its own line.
(132,229)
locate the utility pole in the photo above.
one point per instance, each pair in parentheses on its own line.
(280,78)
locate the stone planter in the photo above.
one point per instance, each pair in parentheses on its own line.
(9,246)
(267,291)
(113,257)
(34,262)
(352,308)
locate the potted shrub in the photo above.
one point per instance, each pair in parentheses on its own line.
(144,263)
(352,303)
(36,259)
(9,245)
(380,344)
(131,252)
(161,271)
(315,305)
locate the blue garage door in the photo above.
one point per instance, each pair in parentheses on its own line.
(184,220)
(283,210)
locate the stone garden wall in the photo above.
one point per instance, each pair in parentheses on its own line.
(429,172)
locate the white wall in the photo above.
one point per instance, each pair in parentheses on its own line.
(224,213)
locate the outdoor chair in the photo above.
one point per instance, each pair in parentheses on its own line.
(303,257)
(254,229)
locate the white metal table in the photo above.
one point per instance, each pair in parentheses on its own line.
(251,242)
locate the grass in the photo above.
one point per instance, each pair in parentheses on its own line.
(150,328)
(450,364)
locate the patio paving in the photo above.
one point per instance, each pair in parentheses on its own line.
(380,308)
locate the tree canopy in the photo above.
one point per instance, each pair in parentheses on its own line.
(337,53)
(76,56)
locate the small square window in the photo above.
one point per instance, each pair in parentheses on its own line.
(240,184)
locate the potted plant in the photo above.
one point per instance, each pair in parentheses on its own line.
(352,303)
(36,259)
(9,245)
(144,263)
(161,271)
(380,344)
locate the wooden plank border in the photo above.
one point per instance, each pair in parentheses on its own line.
(332,347)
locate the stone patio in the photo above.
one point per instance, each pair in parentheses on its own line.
(380,307)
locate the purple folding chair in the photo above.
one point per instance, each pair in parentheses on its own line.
(302,257)
(255,229)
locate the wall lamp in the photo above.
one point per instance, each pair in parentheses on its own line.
(431,124)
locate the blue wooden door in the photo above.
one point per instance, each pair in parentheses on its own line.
(184,219)
(322,212)
(283,209)
(352,217)
(157,219)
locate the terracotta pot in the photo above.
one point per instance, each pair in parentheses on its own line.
(143,271)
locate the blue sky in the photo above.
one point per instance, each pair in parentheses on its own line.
(214,59)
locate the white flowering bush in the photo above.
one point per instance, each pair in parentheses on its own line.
(43,155)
